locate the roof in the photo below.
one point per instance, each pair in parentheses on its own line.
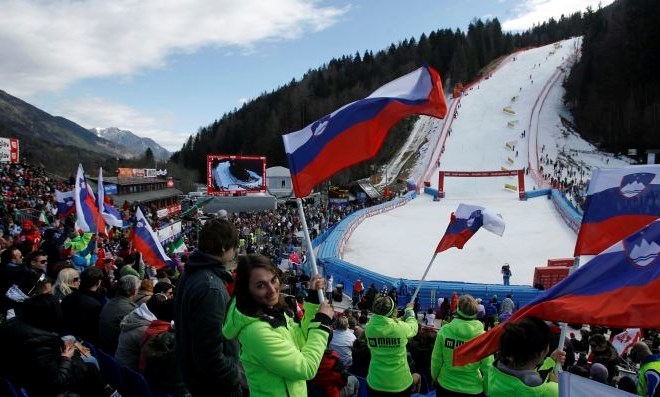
(278,171)
(368,188)
(146,196)
(128,181)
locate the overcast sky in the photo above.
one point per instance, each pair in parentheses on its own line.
(164,68)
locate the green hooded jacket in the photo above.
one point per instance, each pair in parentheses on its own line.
(501,384)
(387,339)
(278,359)
(469,379)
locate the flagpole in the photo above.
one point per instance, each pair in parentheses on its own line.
(412,299)
(564,326)
(310,249)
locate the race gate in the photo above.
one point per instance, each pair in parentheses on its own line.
(472,174)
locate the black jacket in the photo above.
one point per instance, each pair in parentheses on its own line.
(32,358)
(208,362)
(81,311)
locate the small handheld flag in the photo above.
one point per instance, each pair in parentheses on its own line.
(146,242)
(66,203)
(88,217)
(465,222)
(109,213)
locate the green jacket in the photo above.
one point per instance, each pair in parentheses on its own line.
(278,359)
(501,384)
(387,339)
(469,379)
(651,364)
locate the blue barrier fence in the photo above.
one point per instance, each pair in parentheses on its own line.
(330,255)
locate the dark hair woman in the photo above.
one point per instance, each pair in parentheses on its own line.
(278,355)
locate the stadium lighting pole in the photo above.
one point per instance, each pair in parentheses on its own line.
(310,249)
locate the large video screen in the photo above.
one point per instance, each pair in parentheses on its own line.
(227,174)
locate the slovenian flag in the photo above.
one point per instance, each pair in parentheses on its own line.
(88,217)
(619,202)
(356,131)
(66,203)
(465,222)
(109,213)
(616,289)
(146,243)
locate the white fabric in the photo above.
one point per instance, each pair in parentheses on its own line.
(571,385)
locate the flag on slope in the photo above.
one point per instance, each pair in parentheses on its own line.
(146,242)
(88,217)
(617,289)
(465,222)
(571,385)
(619,202)
(623,341)
(66,204)
(355,132)
(109,213)
(178,246)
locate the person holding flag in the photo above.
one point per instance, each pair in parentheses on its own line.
(468,380)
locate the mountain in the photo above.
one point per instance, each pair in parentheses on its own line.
(135,144)
(57,143)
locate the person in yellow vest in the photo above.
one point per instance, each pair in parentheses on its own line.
(648,382)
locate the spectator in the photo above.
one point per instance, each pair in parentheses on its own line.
(132,330)
(278,355)
(342,342)
(598,372)
(68,280)
(81,308)
(389,373)
(166,288)
(453,305)
(31,345)
(602,351)
(332,377)
(37,261)
(114,311)
(30,285)
(145,292)
(627,383)
(649,372)
(523,347)
(468,380)
(490,314)
(208,361)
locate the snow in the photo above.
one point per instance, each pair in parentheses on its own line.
(401,242)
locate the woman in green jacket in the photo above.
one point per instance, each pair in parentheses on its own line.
(277,354)
(468,380)
(524,346)
(387,337)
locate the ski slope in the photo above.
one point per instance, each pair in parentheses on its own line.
(400,243)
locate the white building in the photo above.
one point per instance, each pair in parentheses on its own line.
(278,181)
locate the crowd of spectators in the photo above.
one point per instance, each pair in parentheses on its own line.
(56,282)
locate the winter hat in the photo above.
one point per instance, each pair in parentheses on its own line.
(383,306)
(598,372)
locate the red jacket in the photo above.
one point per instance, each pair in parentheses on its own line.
(330,376)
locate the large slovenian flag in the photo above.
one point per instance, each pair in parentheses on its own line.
(109,213)
(146,242)
(617,289)
(619,202)
(465,222)
(88,217)
(66,203)
(356,131)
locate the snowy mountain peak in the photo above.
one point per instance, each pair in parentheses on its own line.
(134,144)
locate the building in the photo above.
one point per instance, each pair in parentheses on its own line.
(157,194)
(278,181)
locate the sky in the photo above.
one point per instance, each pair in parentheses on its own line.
(164,68)
(401,242)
